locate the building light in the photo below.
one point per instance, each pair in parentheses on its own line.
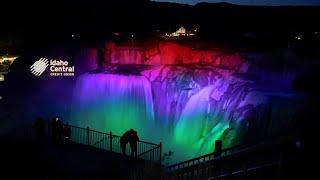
(116,33)
(181,32)
(8,58)
(1,77)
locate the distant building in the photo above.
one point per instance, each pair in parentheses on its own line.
(181,32)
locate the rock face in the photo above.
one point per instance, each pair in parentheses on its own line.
(86,59)
(163,53)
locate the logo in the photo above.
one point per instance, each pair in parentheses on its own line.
(57,67)
(39,66)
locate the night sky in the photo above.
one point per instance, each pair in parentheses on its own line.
(253,2)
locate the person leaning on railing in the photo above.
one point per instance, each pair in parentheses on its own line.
(133,140)
(130,136)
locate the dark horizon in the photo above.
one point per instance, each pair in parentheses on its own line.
(249,2)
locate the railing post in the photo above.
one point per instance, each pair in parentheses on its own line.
(269,121)
(110,141)
(88,134)
(217,148)
(160,159)
(49,129)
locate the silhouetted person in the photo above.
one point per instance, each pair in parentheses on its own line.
(53,129)
(124,141)
(56,130)
(39,129)
(133,140)
(66,132)
(60,131)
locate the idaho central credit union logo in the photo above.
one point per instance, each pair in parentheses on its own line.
(39,66)
(57,67)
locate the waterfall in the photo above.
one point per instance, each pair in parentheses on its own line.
(185,109)
(193,117)
(207,116)
(112,102)
(197,107)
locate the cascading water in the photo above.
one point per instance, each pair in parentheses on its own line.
(112,102)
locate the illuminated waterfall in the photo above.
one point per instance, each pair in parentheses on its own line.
(111,102)
(186,111)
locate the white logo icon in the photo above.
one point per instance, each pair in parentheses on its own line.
(39,66)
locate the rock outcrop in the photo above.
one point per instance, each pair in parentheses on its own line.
(168,53)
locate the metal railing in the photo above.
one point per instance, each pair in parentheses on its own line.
(203,159)
(227,151)
(110,142)
(234,160)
